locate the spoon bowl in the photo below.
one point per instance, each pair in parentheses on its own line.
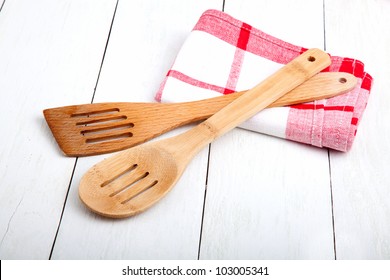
(136,179)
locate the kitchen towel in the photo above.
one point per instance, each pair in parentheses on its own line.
(223,55)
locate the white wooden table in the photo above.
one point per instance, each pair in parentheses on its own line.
(248,196)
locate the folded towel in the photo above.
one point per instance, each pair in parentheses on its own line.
(223,55)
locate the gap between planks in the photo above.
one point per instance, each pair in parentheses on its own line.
(76,160)
(329,162)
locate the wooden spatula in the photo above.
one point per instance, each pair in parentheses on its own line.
(133,180)
(90,129)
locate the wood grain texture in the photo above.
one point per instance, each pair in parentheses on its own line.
(47,58)
(134,180)
(260,210)
(90,129)
(360,178)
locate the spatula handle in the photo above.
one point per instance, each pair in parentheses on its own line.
(321,86)
(275,86)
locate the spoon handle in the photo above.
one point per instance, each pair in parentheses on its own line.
(275,86)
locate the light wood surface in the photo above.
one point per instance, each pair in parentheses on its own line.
(91,129)
(280,200)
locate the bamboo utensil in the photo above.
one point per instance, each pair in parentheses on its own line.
(90,129)
(133,180)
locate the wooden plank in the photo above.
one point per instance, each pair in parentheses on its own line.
(50,53)
(145,39)
(360,178)
(268,198)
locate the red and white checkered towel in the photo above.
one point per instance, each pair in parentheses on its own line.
(223,55)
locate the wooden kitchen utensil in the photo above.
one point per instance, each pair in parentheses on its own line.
(133,180)
(90,129)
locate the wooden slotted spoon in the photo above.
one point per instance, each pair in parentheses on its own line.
(90,129)
(133,180)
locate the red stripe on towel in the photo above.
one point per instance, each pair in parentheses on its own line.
(323,107)
(187,79)
(238,59)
